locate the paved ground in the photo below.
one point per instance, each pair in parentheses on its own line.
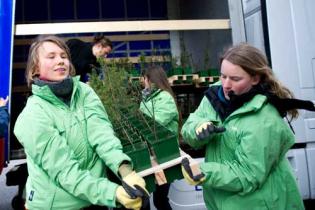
(7,193)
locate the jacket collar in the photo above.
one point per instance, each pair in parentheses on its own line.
(255,104)
(226,111)
(45,93)
(153,94)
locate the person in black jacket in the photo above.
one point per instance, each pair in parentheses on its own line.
(84,55)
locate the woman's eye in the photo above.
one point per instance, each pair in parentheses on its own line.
(236,79)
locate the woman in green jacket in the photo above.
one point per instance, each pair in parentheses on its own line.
(158,102)
(241,125)
(68,140)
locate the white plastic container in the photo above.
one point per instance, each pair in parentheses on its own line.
(186,197)
(183,196)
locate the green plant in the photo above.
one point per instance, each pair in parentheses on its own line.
(142,62)
(206,62)
(185,56)
(140,135)
(113,89)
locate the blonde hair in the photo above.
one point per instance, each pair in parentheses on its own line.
(254,62)
(33,59)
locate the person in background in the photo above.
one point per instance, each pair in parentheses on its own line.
(4,115)
(84,55)
(68,140)
(4,121)
(158,102)
(240,123)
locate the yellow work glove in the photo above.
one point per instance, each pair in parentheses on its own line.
(134,193)
(206,129)
(125,169)
(133,179)
(130,203)
(188,174)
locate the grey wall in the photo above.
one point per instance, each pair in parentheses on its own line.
(212,41)
(253,23)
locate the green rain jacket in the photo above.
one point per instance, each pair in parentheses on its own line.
(162,104)
(67,148)
(246,166)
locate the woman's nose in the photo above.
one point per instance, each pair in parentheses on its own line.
(61,60)
(227,83)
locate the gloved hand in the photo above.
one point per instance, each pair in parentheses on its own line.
(188,174)
(134,186)
(130,203)
(206,129)
(133,179)
(125,169)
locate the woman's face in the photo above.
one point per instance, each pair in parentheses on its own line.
(234,78)
(147,83)
(53,62)
(100,51)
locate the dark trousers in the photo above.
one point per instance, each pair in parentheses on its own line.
(160,197)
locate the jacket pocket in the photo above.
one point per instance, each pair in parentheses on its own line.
(39,198)
(238,202)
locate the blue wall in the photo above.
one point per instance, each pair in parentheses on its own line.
(6,14)
(6,26)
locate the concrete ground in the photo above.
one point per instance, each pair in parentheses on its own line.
(7,192)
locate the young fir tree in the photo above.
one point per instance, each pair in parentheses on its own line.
(114,89)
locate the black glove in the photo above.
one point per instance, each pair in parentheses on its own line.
(206,129)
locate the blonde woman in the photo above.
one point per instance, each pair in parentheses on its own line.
(68,140)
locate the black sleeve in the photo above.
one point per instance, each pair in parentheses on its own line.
(81,56)
(4,120)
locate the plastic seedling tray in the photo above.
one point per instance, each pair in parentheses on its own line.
(139,154)
(165,149)
(173,173)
